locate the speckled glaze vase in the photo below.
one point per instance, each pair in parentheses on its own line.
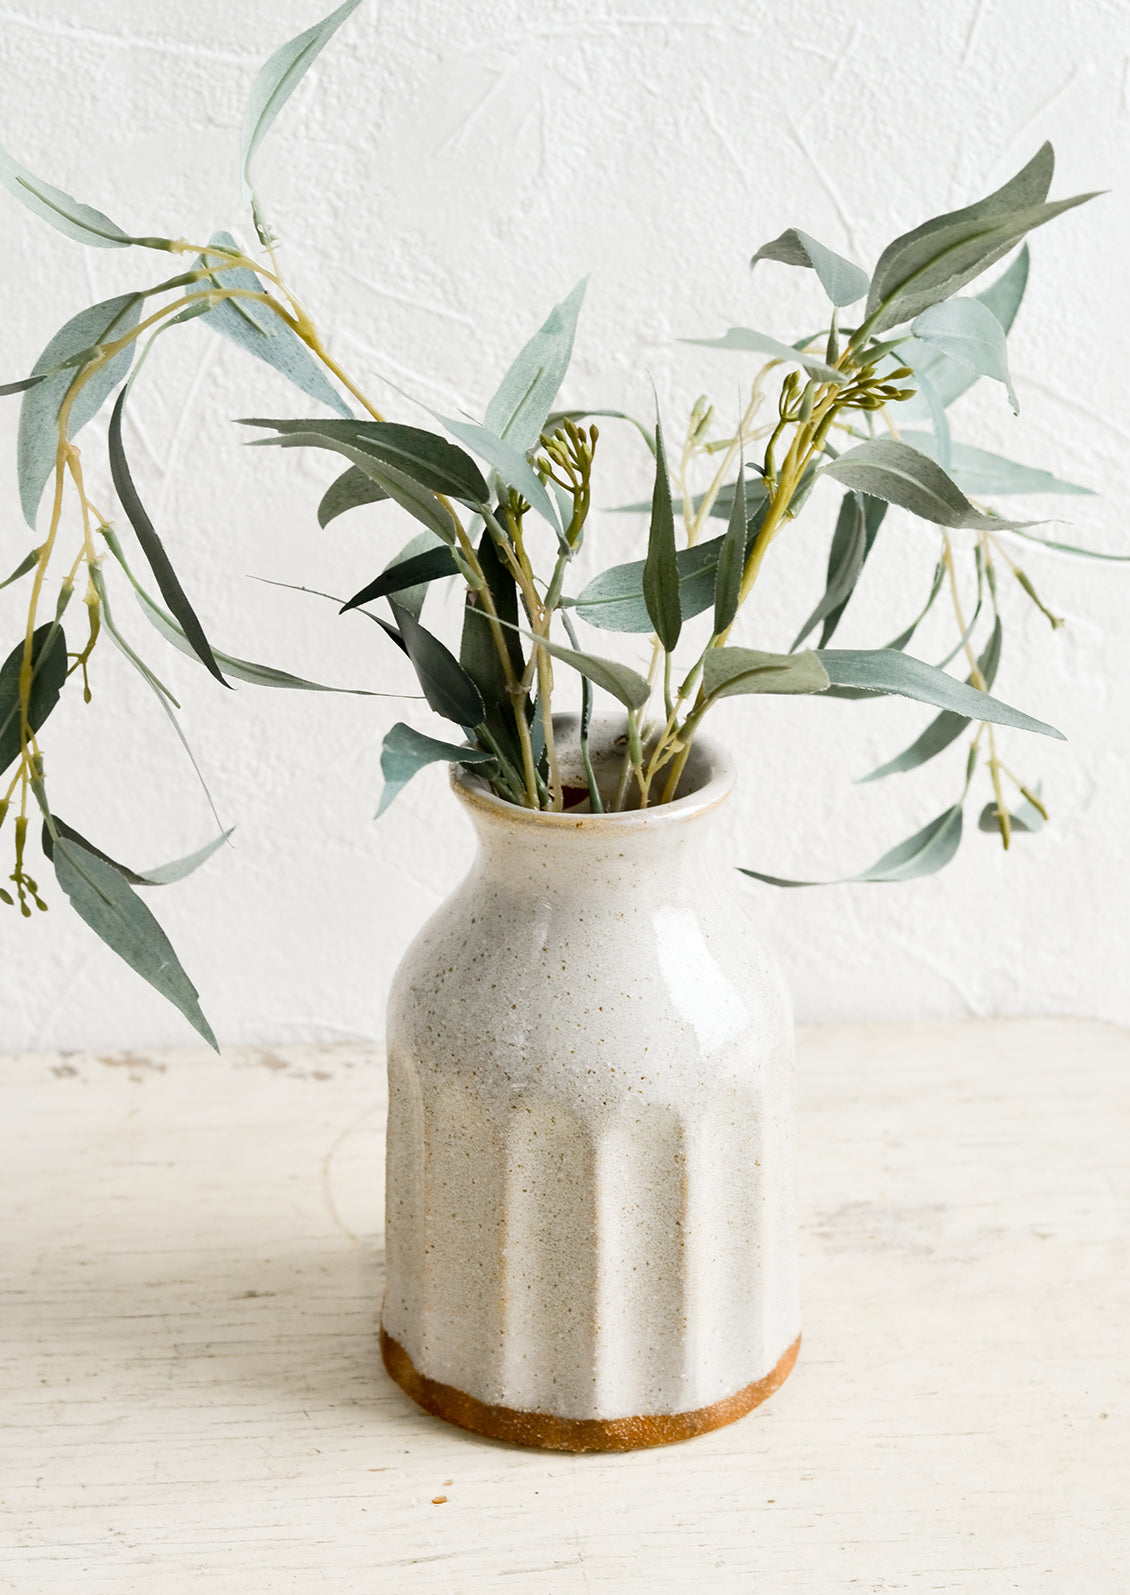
(589,1183)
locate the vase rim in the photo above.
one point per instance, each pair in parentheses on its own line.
(715,774)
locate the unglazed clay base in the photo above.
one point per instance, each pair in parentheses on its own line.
(575,1434)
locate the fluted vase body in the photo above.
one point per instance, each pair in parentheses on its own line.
(589,1182)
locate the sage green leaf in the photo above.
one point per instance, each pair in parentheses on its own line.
(1026,819)
(660,571)
(901,475)
(842,281)
(517,413)
(102,896)
(935,588)
(614,600)
(81,222)
(151,546)
(22,385)
(885,670)
(625,684)
(162,875)
(447,687)
(26,564)
(479,653)
(256,328)
(946,727)
(428,566)
(845,561)
(277,80)
(423,457)
(1070,548)
(405,751)
(351,489)
(969,333)
(924,853)
(242,669)
(412,597)
(935,260)
(731,559)
(510,462)
(727,672)
(874,511)
(743,340)
(38,439)
(981,474)
(49,671)
(420,502)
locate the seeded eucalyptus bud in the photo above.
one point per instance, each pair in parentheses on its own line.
(897,375)
(806,398)
(6,897)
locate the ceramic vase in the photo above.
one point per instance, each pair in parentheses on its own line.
(589,1220)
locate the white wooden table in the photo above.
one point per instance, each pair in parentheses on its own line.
(193,1399)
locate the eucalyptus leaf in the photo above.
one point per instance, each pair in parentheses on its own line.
(935,588)
(874,511)
(1070,548)
(731,559)
(625,684)
(968,332)
(81,222)
(728,672)
(28,563)
(256,328)
(517,413)
(661,571)
(743,340)
(447,687)
(901,475)
(1026,819)
(38,440)
(153,549)
(845,561)
(614,600)
(276,82)
(428,566)
(510,462)
(101,895)
(405,751)
(351,489)
(885,670)
(555,417)
(424,457)
(924,853)
(162,875)
(842,281)
(946,727)
(942,449)
(981,474)
(49,671)
(479,652)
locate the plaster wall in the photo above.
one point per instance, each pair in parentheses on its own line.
(445,174)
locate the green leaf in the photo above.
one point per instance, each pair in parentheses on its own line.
(277,80)
(478,651)
(81,222)
(874,511)
(660,571)
(405,751)
(423,457)
(102,896)
(845,561)
(39,412)
(162,875)
(934,260)
(731,559)
(1027,818)
(614,600)
(946,727)
(1070,548)
(842,281)
(744,340)
(981,474)
(351,489)
(447,687)
(153,549)
(727,672)
(428,566)
(511,463)
(901,475)
(969,333)
(257,329)
(885,670)
(625,684)
(26,564)
(49,671)
(517,413)
(924,853)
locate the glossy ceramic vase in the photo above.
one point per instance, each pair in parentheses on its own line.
(590,1229)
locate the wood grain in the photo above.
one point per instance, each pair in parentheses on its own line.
(194,1399)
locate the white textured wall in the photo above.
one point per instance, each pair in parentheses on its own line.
(447,172)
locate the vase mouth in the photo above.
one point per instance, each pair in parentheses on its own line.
(706,782)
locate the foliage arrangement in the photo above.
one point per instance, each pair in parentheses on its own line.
(503,504)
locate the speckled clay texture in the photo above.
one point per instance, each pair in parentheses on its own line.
(590,1208)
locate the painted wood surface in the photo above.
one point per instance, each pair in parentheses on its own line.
(193,1399)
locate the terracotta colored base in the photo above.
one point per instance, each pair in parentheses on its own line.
(575,1434)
